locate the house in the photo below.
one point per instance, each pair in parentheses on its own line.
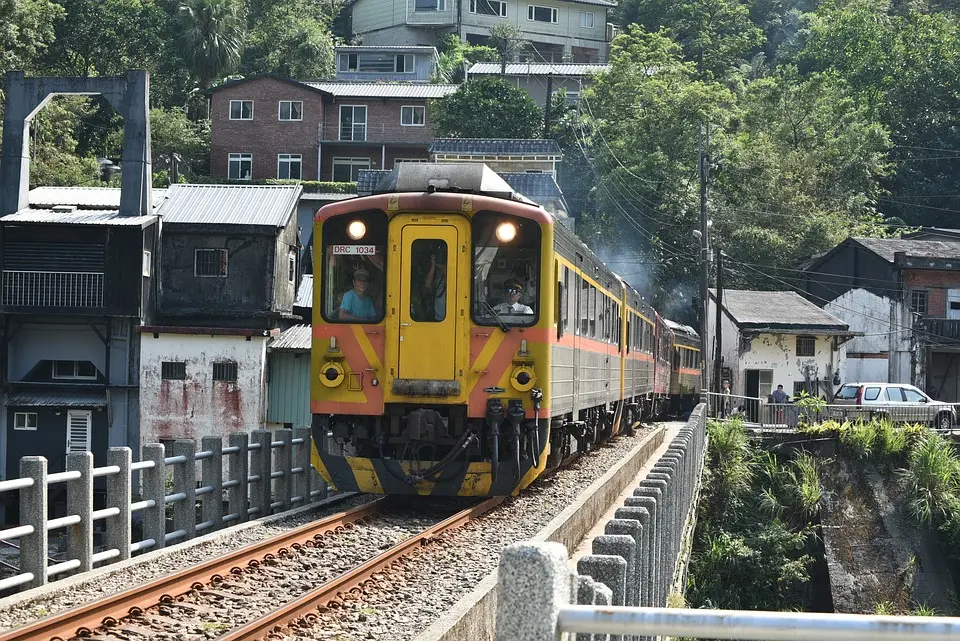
(904,290)
(288,384)
(396,63)
(272,127)
(534,77)
(777,338)
(557,30)
(501,155)
(228,280)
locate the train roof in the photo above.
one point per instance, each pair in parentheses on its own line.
(461,178)
(681,329)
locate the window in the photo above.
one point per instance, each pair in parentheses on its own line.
(918,301)
(376,62)
(240,166)
(913,396)
(894,394)
(506,264)
(871,394)
(241,110)
(289,166)
(173,370)
(489,8)
(147,262)
(806,345)
(291,110)
(412,116)
(353,122)
(346,170)
(429,5)
(292,267)
(25,421)
(353,277)
(77,370)
(586,19)
(428,267)
(225,371)
(542,14)
(397,161)
(210,263)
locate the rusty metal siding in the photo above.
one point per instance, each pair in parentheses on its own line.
(288,389)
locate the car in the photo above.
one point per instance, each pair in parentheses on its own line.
(899,402)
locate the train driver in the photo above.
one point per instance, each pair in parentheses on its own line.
(356,305)
(513,290)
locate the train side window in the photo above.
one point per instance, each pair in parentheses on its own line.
(583,306)
(565,303)
(592,296)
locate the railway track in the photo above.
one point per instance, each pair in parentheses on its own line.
(211,596)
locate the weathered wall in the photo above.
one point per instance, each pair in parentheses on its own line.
(882,353)
(200,406)
(778,352)
(288,389)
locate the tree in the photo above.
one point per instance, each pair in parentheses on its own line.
(506,38)
(455,54)
(26,30)
(291,40)
(55,158)
(211,37)
(487,107)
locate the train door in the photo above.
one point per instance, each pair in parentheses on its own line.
(431,262)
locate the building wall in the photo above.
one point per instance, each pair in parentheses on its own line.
(380,156)
(383,120)
(288,388)
(936,283)
(847,268)
(370,15)
(423,69)
(567,31)
(50,438)
(777,352)
(536,86)
(200,406)
(883,353)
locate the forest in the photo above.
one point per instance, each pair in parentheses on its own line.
(824,119)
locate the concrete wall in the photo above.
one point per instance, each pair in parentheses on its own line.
(424,66)
(882,354)
(566,32)
(198,406)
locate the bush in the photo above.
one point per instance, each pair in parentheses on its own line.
(309,186)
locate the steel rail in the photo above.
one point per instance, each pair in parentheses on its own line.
(353,581)
(107,612)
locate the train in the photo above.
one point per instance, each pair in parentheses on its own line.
(465,342)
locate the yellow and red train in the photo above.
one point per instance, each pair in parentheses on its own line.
(464,342)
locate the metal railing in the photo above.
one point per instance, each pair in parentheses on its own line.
(376,133)
(52,289)
(265,472)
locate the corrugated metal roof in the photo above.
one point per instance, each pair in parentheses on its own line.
(264,205)
(362,48)
(56,398)
(92,197)
(305,292)
(600,3)
(79,217)
(495,146)
(538,69)
(421,91)
(295,338)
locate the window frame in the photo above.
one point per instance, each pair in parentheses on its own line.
(241,102)
(240,158)
(174,368)
(225,262)
(592,20)
(225,367)
(147,268)
(423,110)
(441,6)
(344,160)
(554,14)
(290,159)
(812,344)
(25,427)
(353,126)
(502,8)
(75,376)
(291,266)
(376,222)
(290,103)
(916,296)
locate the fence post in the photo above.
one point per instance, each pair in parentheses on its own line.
(238,471)
(301,458)
(33,511)
(533,584)
(185,482)
(260,466)
(118,496)
(154,489)
(80,503)
(211,475)
(284,463)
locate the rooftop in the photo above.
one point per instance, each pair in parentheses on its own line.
(86,197)
(496,147)
(537,187)
(777,311)
(886,248)
(538,69)
(409,90)
(77,217)
(293,339)
(56,398)
(305,292)
(368,179)
(362,48)
(262,205)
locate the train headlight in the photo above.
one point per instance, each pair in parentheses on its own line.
(356,230)
(506,232)
(523,378)
(331,374)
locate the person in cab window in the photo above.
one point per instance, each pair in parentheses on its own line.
(356,305)
(513,290)
(435,284)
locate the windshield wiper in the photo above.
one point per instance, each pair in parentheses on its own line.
(496,317)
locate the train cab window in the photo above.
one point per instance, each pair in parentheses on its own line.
(353,279)
(506,269)
(428,269)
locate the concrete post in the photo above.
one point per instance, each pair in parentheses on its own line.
(118,496)
(586,595)
(211,475)
(80,503)
(609,570)
(657,489)
(641,510)
(154,481)
(302,485)
(185,482)
(626,548)
(238,471)
(33,511)
(260,466)
(284,463)
(136,184)
(633,529)
(533,583)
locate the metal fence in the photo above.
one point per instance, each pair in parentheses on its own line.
(264,472)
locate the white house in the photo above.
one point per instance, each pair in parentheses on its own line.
(777,338)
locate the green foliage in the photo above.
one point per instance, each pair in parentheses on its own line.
(487,107)
(211,37)
(309,186)
(455,54)
(291,40)
(55,159)
(26,30)
(933,480)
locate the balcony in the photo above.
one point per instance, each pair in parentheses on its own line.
(939,330)
(52,289)
(431,13)
(377,133)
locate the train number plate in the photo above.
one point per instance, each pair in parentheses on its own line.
(354,250)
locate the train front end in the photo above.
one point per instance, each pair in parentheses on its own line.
(432,318)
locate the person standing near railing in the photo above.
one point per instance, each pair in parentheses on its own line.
(780,398)
(725,400)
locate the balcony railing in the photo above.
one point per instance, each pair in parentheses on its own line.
(416,135)
(52,289)
(939,330)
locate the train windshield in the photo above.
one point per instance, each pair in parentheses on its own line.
(354,284)
(506,263)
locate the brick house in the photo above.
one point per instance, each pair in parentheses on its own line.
(272,127)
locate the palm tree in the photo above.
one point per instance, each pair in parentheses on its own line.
(211,37)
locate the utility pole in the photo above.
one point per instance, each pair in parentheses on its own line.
(718,352)
(503,56)
(546,108)
(704,149)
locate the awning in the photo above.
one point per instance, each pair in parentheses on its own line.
(56,398)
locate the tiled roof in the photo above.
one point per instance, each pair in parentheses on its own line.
(537,187)
(538,69)
(263,205)
(77,217)
(885,248)
(56,398)
(90,197)
(407,90)
(294,339)
(305,292)
(495,147)
(367,179)
(776,310)
(362,48)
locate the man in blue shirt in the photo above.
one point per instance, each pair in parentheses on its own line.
(356,305)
